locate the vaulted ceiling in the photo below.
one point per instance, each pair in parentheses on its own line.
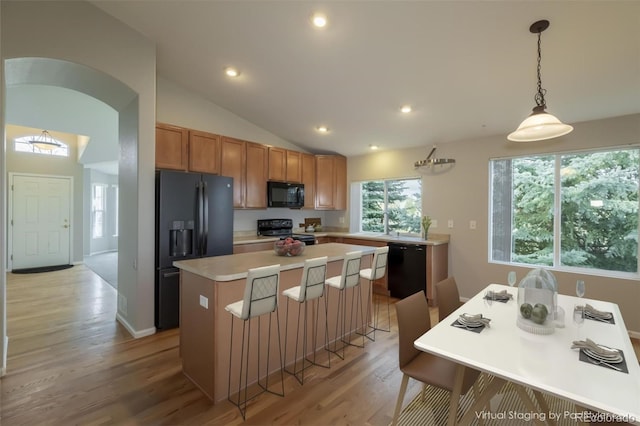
(467,68)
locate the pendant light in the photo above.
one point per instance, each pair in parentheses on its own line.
(540,125)
(45,142)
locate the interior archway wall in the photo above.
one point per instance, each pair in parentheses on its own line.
(75,45)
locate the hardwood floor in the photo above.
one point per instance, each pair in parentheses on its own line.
(70,362)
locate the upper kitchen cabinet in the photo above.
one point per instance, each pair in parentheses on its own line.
(233,163)
(277,164)
(285,165)
(308,162)
(204,152)
(331,182)
(294,166)
(256,176)
(247,163)
(172,147)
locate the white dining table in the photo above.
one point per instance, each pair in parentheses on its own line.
(543,363)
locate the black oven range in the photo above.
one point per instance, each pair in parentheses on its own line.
(282,228)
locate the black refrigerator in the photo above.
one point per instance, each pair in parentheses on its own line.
(194,218)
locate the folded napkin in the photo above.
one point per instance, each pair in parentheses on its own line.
(477,318)
(499,295)
(596,313)
(595,348)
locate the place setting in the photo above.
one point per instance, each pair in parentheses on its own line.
(499,296)
(600,355)
(593,314)
(475,323)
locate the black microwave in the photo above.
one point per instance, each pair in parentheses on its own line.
(280,194)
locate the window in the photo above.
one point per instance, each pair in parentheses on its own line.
(572,210)
(98,205)
(22,145)
(391,206)
(115,210)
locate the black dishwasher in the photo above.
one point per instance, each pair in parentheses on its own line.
(407,269)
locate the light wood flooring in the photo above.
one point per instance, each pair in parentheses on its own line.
(71,362)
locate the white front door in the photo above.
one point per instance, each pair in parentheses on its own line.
(41,221)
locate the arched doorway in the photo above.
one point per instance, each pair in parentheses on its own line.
(98,85)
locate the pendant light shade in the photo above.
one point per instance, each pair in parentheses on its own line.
(540,125)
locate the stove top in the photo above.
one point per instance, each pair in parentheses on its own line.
(282,228)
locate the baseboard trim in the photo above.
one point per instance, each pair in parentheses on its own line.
(634,334)
(135,334)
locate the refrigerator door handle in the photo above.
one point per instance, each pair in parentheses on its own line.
(205,210)
(199,250)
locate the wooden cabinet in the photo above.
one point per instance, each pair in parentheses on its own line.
(178,148)
(172,144)
(294,166)
(204,152)
(285,165)
(257,166)
(233,158)
(331,182)
(340,201)
(277,164)
(251,247)
(247,163)
(251,165)
(308,173)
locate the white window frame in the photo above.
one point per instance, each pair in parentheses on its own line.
(557,266)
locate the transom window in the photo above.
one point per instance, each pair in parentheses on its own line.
(22,144)
(390,206)
(572,210)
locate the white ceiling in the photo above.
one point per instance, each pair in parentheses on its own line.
(467,67)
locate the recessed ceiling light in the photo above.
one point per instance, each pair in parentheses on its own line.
(405,109)
(319,20)
(373,147)
(231,72)
(322,129)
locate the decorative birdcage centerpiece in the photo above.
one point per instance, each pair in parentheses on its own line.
(537,302)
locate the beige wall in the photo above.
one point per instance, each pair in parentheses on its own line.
(461,193)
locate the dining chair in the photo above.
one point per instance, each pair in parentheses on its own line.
(448,297)
(260,298)
(310,290)
(413,322)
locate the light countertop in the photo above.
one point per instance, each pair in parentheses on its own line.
(235,266)
(432,239)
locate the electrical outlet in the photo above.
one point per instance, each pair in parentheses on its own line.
(472,224)
(450,223)
(434,223)
(204,302)
(341,220)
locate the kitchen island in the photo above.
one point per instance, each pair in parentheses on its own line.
(207,285)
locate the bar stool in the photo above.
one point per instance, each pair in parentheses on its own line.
(260,297)
(350,278)
(311,289)
(377,271)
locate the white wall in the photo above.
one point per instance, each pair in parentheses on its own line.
(461,193)
(118,61)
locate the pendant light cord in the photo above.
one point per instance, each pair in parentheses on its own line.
(539,97)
